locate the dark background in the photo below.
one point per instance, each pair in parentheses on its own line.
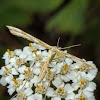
(74,21)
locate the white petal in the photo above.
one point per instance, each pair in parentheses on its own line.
(93,71)
(11,91)
(13,61)
(52,64)
(19,88)
(75,86)
(28,85)
(7,61)
(14,72)
(23,55)
(65,78)
(55,98)
(21,77)
(90,76)
(39,52)
(13,99)
(28,91)
(18,51)
(68,88)
(57,81)
(36,71)
(68,61)
(37,64)
(11,84)
(35,80)
(30,97)
(1,72)
(83,74)
(25,49)
(70,96)
(9,78)
(21,69)
(87,93)
(9,66)
(45,53)
(91,98)
(50,92)
(42,48)
(58,68)
(37,96)
(29,58)
(72,75)
(91,86)
(3,81)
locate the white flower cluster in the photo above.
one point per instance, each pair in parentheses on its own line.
(65,79)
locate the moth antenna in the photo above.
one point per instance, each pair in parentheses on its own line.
(71,46)
(58,42)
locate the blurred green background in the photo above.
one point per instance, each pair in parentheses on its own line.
(74,21)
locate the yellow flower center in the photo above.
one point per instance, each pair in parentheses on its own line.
(20,62)
(61,92)
(59,89)
(65,66)
(35,52)
(64,69)
(37,86)
(83,83)
(40,89)
(8,51)
(30,44)
(28,74)
(7,71)
(25,71)
(15,82)
(82,98)
(29,70)
(6,68)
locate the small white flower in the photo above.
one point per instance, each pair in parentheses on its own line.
(24,95)
(8,55)
(35,96)
(37,46)
(30,76)
(66,72)
(33,47)
(84,95)
(15,85)
(21,62)
(7,73)
(41,88)
(50,75)
(63,91)
(83,82)
(80,67)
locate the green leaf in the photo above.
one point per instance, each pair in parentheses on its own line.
(14,16)
(71,18)
(92,33)
(46,6)
(40,6)
(16,12)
